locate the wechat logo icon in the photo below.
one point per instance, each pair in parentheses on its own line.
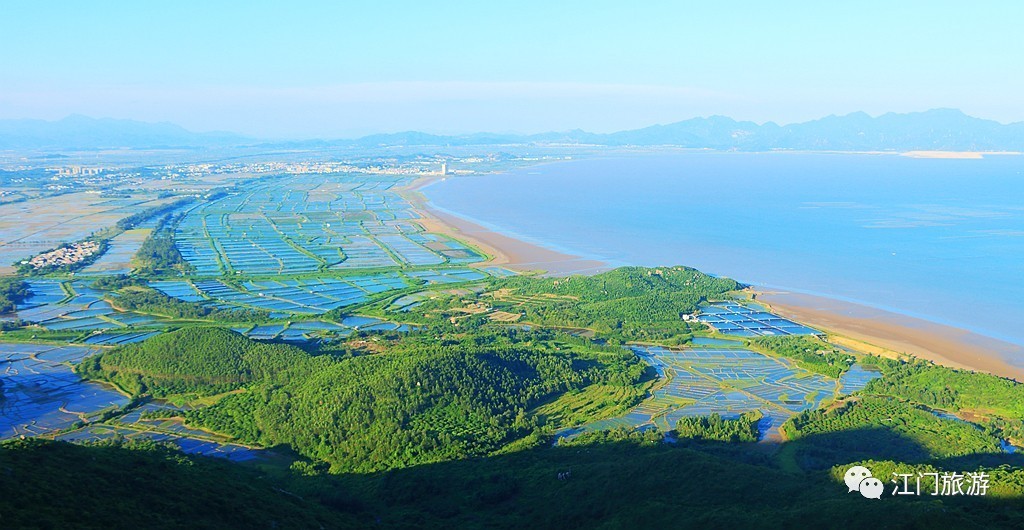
(858,478)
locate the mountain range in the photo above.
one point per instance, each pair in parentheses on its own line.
(937,129)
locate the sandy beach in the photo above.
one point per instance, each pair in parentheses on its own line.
(505,251)
(892,334)
(963,155)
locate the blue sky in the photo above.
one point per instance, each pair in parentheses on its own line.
(348,68)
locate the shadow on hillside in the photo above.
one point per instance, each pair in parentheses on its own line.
(613,485)
(822,451)
(706,484)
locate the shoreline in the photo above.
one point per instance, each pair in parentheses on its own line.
(894,335)
(848,324)
(505,251)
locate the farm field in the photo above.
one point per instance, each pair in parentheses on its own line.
(30,227)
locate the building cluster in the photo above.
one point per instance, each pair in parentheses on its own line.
(66,255)
(78,171)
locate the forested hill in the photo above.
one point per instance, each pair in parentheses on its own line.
(203,360)
(628,282)
(628,303)
(423,401)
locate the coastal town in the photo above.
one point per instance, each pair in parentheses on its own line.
(65,255)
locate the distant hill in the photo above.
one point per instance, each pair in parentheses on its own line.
(82,132)
(937,129)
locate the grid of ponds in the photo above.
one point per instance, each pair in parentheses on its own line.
(307,296)
(180,289)
(315,329)
(117,339)
(41,393)
(732,318)
(101,325)
(441,276)
(726,381)
(52,307)
(857,378)
(298,296)
(306,223)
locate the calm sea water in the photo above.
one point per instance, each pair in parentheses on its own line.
(937,239)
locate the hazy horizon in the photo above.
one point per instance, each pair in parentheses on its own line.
(470,132)
(341,71)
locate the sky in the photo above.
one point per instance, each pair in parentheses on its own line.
(342,69)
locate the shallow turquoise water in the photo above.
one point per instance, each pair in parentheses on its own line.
(937,239)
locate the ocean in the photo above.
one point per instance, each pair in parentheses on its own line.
(938,239)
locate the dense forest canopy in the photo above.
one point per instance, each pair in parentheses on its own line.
(809,353)
(628,303)
(200,360)
(12,292)
(424,400)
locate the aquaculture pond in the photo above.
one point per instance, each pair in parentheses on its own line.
(307,223)
(41,393)
(699,381)
(75,306)
(732,318)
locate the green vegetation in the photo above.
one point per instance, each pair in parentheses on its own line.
(12,292)
(158,253)
(993,403)
(203,361)
(713,427)
(876,427)
(134,297)
(594,402)
(810,353)
(628,303)
(427,399)
(133,220)
(646,437)
(621,480)
(451,425)
(137,485)
(115,282)
(950,389)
